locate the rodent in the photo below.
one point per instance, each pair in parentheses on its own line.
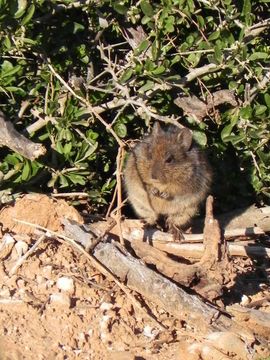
(167,176)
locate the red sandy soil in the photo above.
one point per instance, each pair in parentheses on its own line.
(91,318)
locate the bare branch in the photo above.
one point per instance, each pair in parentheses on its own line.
(17,142)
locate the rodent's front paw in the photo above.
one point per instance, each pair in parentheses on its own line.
(155,191)
(164,195)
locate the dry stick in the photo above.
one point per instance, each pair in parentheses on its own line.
(132,230)
(26,255)
(41,122)
(111,204)
(24,106)
(193,74)
(254,30)
(74,194)
(11,138)
(195,251)
(119,161)
(98,265)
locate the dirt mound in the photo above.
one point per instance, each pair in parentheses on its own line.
(37,209)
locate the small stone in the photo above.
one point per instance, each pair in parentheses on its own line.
(21,247)
(245,300)
(60,299)
(40,279)
(21,283)
(5,292)
(150,332)
(47,271)
(106,306)
(65,283)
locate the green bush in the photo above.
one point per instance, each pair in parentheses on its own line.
(98,73)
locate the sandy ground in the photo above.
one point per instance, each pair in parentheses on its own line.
(57,306)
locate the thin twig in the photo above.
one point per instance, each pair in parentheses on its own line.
(119,162)
(111,204)
(26,255)
(40,123)
(72,194)
(197,72)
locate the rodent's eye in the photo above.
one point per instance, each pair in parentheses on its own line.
(169,159)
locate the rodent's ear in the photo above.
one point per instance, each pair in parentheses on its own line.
(185,138)
(156,129)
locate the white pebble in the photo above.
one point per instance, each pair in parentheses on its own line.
(245,300)
(60,299)
(150,332)
(21,247)
(106,306)
(7,239)
(66,284)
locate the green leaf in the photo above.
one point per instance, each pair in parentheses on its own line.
(76,178)
(63,181)
(194,58)
(155,50)
(121,130)
(29,14)
(267,98)
(264,157)
(147,86)
(12,159)
(22,4)
(200,137)
(260,109)
(246,10)
(67,148)
(159,70)
(246,112)
(77,27)
(215,35)
(258,56)
(7,43)
(218,53)
(15,89)
(142,47)
(126,76)
(26,171)
(8,69)
(121,9)
(147,8)
(146,20)
(169,25)
(235,139)
(226,131)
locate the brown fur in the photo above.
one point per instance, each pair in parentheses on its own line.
(166,175)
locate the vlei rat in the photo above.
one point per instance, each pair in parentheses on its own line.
(167,176)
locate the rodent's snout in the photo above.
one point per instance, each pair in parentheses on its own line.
(155,173)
